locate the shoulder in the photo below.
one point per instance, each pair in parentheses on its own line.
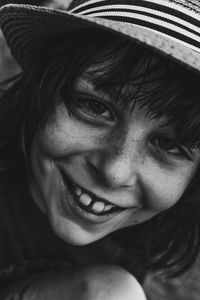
(107,282)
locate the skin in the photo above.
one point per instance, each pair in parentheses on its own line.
(120,155)
(100,282)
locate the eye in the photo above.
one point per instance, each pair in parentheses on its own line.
(168,146)
(93,107)
(164,143)
(98,108)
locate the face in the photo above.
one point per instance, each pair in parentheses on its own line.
(104,168)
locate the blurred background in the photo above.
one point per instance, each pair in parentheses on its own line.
(186,287)
(8,66)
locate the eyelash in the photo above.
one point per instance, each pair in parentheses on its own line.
(178,156)
(80,101)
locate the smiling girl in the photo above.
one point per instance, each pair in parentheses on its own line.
(99,149)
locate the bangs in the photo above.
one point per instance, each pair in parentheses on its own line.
(131,74)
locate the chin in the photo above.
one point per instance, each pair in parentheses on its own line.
(73,233)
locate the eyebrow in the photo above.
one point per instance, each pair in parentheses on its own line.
(93,83)
(109,93)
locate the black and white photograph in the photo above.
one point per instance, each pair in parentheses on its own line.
(100,150)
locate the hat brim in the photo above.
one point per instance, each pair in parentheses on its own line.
(28,28)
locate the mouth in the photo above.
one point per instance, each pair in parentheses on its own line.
(89,204)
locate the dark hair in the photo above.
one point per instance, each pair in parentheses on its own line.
(165,89)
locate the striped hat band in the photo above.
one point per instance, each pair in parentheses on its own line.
(168,18)
(168,27)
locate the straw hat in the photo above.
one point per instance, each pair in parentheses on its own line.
(170,27)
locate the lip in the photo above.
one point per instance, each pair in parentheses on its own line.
(71,201)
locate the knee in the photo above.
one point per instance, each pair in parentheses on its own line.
(109,282)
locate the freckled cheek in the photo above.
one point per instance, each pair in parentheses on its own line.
(165,190)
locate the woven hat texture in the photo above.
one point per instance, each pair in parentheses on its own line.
(169,27)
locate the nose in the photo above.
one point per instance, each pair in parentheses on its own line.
(117,165)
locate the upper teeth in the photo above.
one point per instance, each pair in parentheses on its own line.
(85,199)
(97,206)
